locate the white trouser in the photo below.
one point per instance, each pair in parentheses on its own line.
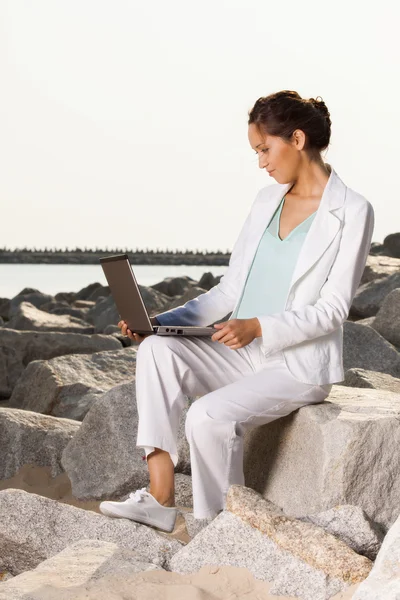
(239,389)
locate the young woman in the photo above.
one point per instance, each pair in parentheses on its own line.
(291,279)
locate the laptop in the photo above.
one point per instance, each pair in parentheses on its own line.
(129,302)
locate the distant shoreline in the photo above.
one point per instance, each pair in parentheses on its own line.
(135,258)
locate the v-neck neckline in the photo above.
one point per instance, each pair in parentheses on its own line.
(278,220)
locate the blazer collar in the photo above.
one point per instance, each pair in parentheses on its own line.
(324,227)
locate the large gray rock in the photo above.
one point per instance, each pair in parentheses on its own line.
(34,528)
(230,540)
(31,296)
(29,318)
(29,438)
(191,293)
(387,320)
(365,348)
(66,386)
(383,582)
(351,525)
(106,443)
(370,296)
(19,348)
(371,379)
(392,244)
(174,286)
(337,452)
(378,267)
(78,564)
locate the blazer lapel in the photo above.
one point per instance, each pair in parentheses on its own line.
(324,227)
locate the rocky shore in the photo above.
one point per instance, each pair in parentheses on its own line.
(318,518)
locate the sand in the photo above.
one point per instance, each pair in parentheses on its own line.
(209,583)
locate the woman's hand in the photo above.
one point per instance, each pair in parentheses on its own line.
(237,333)
(135,336)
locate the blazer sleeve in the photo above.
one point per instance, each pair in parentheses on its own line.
(288,328)
(220,299)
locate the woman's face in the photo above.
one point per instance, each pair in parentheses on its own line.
(279,158)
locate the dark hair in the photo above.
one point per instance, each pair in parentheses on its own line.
(283,112)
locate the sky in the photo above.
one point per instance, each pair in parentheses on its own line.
(124,123)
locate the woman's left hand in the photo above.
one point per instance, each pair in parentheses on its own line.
(237,333)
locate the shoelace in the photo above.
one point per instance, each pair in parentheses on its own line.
(138,495)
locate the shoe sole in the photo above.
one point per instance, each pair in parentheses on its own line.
(143,520)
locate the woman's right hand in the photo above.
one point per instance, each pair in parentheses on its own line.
(135,336)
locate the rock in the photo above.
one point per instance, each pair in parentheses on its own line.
(391,243)
(174,286)
(83,304)
(106,443)
(383,582)
(19,348)
(183,490)
(207,281)
(194,526)
(365,348)
(230,540)
(86,292)
(66,386)
(29,438)
(371,379)
(351,525)
(78,564)
(29,318)
(1,321)
(370,296)
(67,296)
(387,320)
(29,296)
(378,267)
(34,528)
(366,321)
(103,290)
(49,306)
(4,308)
(309,544)
(323,455)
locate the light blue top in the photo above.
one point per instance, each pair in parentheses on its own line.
(269,276)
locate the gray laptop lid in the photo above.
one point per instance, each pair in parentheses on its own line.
(125,292)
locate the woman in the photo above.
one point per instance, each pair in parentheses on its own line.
(292,276)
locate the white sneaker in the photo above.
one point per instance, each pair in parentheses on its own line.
(141,506)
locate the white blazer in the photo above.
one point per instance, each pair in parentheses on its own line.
(309,330)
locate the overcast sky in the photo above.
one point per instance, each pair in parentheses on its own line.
(124,123)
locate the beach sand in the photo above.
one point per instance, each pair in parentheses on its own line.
(209,583)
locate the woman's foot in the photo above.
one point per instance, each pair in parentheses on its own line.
(141,506)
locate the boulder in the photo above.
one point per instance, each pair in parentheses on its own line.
(378,267)
(365,348)
(19,348)
(66,386)
(4,308)
(383,582)
(323,455)
(106,444)
(363,378)
(29,318)
(370,296)
(191,293)
(78,564)
(391,243)
(300,558)
(30,296)
(387,319)
(174,286)
(34,528)
(29,438)
(351,525)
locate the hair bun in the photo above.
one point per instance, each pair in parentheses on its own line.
(320,105)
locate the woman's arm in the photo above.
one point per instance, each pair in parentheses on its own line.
(287,328)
